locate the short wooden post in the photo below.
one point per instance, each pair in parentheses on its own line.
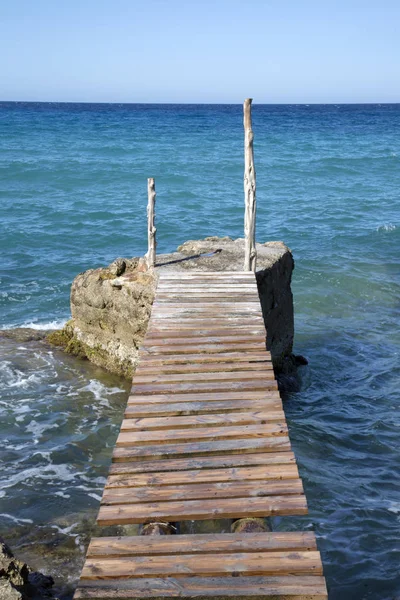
(250,253)
(151,229)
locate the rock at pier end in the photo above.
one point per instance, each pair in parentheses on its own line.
(111,306)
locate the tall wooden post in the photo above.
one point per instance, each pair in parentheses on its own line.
(250,253)
(151,229)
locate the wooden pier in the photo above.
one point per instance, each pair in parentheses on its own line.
(204,437)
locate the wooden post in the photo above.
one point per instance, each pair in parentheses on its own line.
(151,229)
(250,253)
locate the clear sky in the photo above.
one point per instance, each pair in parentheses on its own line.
(290,51)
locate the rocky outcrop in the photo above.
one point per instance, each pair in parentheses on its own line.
(111,306)
(110,309)
(20,582)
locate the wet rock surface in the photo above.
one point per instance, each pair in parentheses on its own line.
(23,334)
(18,581)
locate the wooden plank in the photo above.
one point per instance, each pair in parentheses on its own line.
(273,472)
(164,296)
(188,435)
(195,510)
(209,303)
(252,395)
(215,306)
(266,367)
(201,544)
(209,463)
(198,408)
(206,386)
(234,310)
(207,285)
(154,333)
(200,421)
(228,356)
(194,491)
(235,446)
(210,280)
(166,275)
(220,275)
(245,321)
(294,587)
(229,376)
(205,368)
(185,339)
(213,349)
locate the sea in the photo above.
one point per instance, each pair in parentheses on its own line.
(73,195)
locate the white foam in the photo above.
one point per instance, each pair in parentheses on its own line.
(15,378)
(15,519)
(51,471)
(56,324)
(99,391)
(95,496)
(66,530)
(386,227)
(62,495)
(394,508)
(38,429)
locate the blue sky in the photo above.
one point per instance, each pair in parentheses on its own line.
(277,51)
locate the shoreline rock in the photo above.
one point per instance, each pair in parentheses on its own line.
(111,306)
(24,334)
(18,581)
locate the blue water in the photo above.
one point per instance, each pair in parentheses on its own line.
(73,196)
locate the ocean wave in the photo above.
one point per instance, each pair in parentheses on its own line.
(38,429)
(14,378)
(386,227)
(49,472)
(47,325)
(99,391)
(15,519)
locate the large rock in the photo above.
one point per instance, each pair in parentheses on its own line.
(20,582)
(111,306)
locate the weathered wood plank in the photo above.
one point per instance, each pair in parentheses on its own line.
(246,298)
(206,386)
(229,355)
(201,544)
(194,396)
(234,310)
(268,472)
(209,285)
(198,491)
(207,464)
(185,339)
(229,376)
(220,275)
(169,451)
(233,367)
(154,333)
(188,435)
(245,321)
(230,508)
(200,421)
(198,408)
(186,588)
(213,349)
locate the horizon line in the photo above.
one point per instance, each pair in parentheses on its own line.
(199,103)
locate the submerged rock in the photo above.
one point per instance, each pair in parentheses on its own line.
(18,581)
(24,334)
(111,306)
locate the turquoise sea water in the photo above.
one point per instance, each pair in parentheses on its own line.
(73,196)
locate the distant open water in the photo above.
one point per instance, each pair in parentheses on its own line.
(73,197)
